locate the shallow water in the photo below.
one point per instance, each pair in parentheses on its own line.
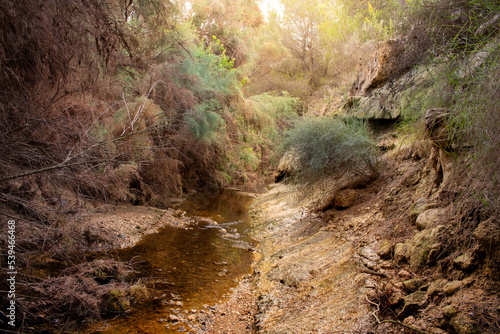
(187,270)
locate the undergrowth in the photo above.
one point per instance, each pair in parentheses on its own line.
(331,145)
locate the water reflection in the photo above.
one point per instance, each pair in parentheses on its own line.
(187,269)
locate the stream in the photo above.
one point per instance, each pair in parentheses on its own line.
(187,269)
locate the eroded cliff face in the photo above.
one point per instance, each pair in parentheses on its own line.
(380,262)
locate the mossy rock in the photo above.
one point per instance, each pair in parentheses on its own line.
(139,292)
(385,249)
(423,248)
(413,302)
(116,301)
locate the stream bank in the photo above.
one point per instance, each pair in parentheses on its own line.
(157,271)
(376,258)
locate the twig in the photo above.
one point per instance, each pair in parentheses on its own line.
(65,163)
(129,118)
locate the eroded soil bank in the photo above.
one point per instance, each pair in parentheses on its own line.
(376,258)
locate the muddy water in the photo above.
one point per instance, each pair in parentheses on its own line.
(188,269)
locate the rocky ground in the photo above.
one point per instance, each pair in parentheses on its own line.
(375,260)
(235,315)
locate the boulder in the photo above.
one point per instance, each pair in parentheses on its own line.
(429,218)
(422,249)
(413,302)
(382,64)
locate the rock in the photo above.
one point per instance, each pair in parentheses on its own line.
(423,247)
(116,301)
(288,165)
(346,198)
(173,317)
(413,302)
(452,287)
(465,262)
(478,58)
(400,250)
(436,287)
(374,108)
(382,64)
(420,206)
(413,285)
(429,218)
(450,310)
(191,317)
(463,324)
(385,249)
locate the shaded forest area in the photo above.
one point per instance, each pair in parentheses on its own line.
(143,102)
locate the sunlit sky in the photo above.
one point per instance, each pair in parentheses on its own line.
(268,5)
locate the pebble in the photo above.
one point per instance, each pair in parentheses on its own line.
(173,317)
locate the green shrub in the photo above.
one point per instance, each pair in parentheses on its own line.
(205,122)
(209,73)
(330,145)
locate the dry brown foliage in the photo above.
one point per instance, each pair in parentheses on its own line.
(80,290)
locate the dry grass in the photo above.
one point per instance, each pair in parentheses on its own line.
(80,290)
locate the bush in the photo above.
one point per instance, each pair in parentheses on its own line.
(331,145)
(475,123)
